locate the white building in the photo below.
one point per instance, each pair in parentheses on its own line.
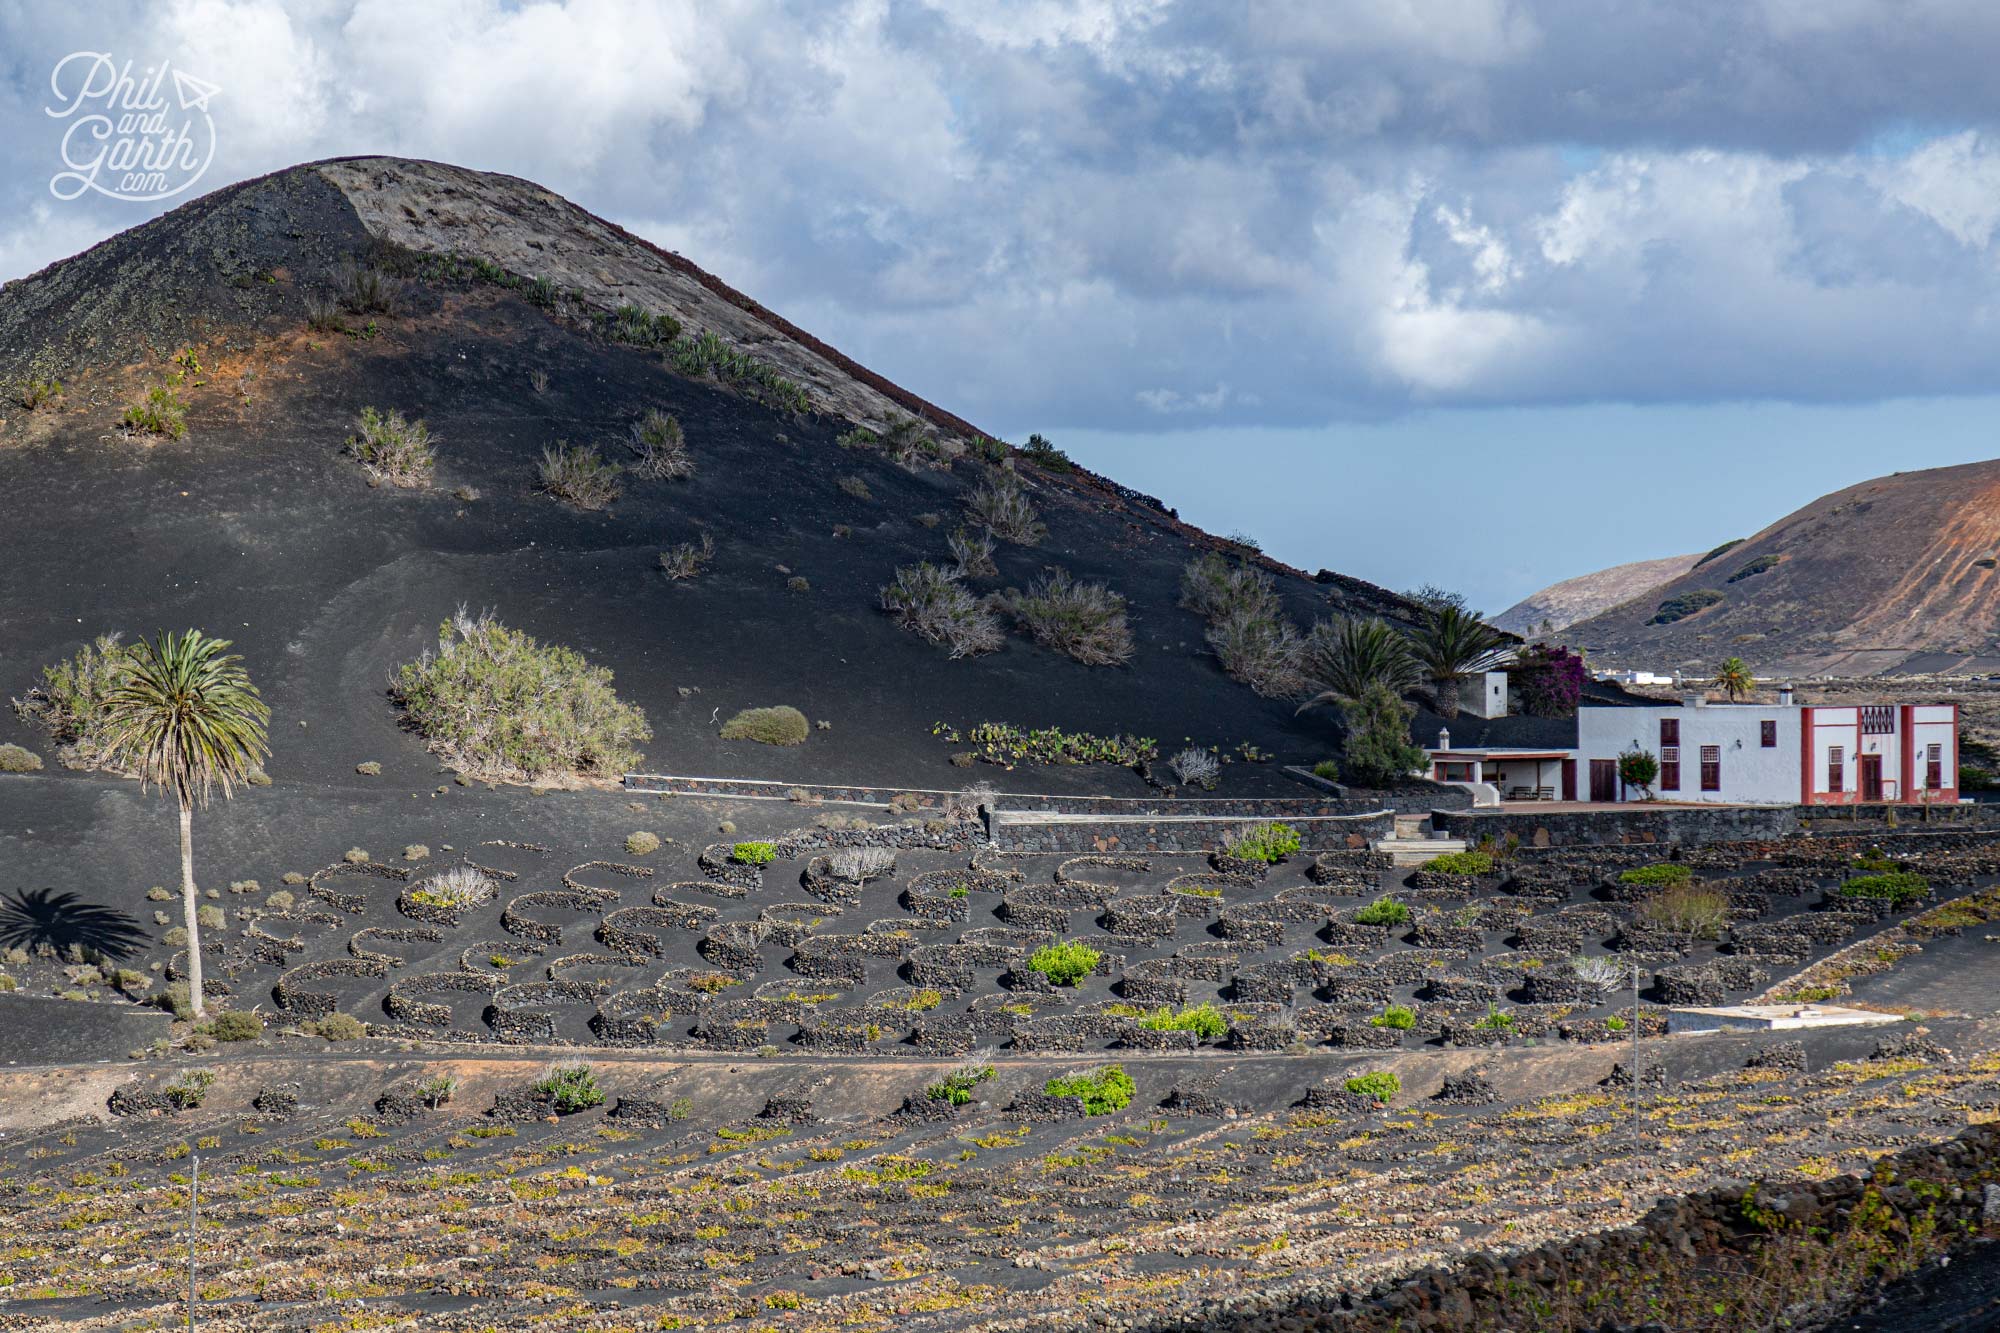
(1737,754)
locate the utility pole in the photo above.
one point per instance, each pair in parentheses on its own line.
(194,1202)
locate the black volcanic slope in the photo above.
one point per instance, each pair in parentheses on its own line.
(256,527)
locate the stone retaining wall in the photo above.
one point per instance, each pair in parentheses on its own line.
(1020,831)
(1944,1186)
(1633,824)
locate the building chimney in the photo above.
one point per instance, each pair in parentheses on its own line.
(1785,695)
(1694,699)
(1444,738)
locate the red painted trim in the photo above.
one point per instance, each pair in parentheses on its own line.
(1806,755)
(1907,720)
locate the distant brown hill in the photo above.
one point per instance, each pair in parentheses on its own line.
(1898,574)
(1561,605)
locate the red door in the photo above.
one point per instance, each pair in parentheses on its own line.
(1604,780)
(1871,777)
(1569,779)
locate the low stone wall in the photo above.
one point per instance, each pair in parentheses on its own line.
(1231,807)
(1946,1188)
(1021,831)
(1637,823)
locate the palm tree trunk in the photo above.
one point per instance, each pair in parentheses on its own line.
(191,908)
(1447,691)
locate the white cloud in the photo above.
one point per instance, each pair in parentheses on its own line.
(1120,210)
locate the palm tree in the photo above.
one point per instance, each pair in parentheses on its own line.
(1733,678)
(187,718)
(1451,645)
(1348,654)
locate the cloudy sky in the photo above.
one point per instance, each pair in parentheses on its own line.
(1480,292)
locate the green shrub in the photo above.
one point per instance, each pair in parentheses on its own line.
(495,704)
(1045,455)
(1001,506)
(571,1086)
(1723,549)
(706,354)
(338,1027)
(1659,875)
(659,449)
(1084,621)
(1103,1090)
(1268,843)
(641,843)
(163,413)
(1687,909)
(1399,1017)
(1383,912)
(441,1087)
(1065,963)
(754,853)
(38,393)
(956,1087)
(1616,1024)
(1327,770)
(392,451)
(1639,768)
(578,474)
(190,1089)
(1685,605)
(1204,1020)
(1751,569)
(1005,745)
(1377,749)
(934,603)
(632,324)
(1461,863)
(1901,887)
(1379,1086)
(236,1025)
(1496,1019)
(17,759)
(781,725)
(72,702)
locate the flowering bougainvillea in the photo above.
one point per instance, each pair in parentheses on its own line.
(1549,680)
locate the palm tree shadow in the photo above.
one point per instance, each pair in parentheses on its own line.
(35,917)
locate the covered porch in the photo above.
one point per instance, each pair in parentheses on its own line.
(1512,775)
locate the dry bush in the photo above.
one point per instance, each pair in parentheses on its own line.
(858,865)
(932,602)
(1196,767)
(366,290)
(1085,621)
(460,886)
(659,449)
(493,703)
(1000,504)
(972,549)
(392,451)
(688,559)
(1687,909)
(1247,628)
(579,475)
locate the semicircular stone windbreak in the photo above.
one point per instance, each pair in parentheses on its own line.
(516,918)
(295,993)
(788,923)
(733,1025)
(346,899)
(276,950)
(1152,981)
(639,930)
(1156,917)
(718,862)
(1007,865)
(497,955)
(406,1000)
(360,941)
(526,1012)
(1083,871)
(733,945)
